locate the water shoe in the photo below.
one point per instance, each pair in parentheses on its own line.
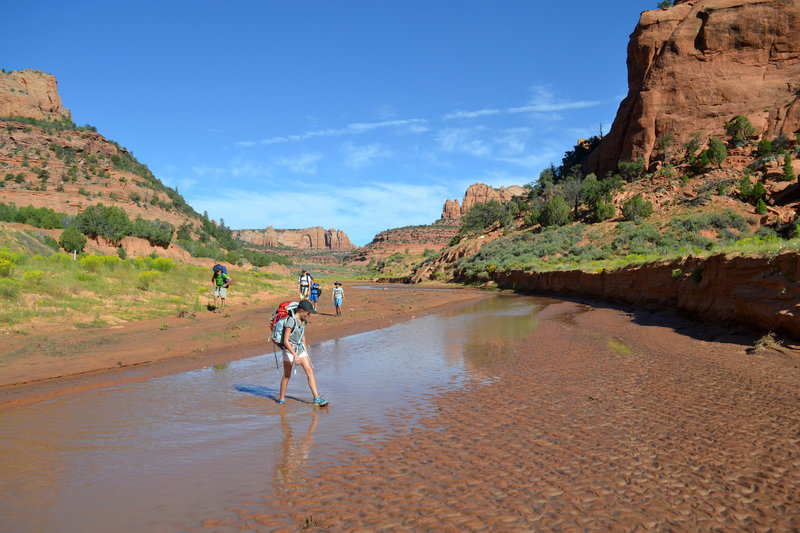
(319,401)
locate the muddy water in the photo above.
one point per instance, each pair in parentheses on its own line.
(169,453)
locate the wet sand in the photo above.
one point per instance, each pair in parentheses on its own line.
(51,361)
(602,420)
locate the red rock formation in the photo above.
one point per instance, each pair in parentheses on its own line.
(451,210)
(696,65)
(30,93)
(316,238)
(479,193)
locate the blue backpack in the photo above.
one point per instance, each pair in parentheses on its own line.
(217,268)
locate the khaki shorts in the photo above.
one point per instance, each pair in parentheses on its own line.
(222,292)
(304,291)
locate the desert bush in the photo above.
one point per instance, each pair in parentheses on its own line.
(145,279)
(635,208)
(6,268)
(603,211)
(32,278)
(91,262)
(764,148)
(740,129)
(555,212)
(9,288)
(632,170)
(163,264)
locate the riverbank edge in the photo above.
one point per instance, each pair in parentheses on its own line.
(761,293)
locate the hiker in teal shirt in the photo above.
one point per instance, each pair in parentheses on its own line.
(220,280)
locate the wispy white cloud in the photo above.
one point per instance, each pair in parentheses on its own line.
(414,125)
(544,101)
(472,114)
(302,164)
(463,140)
(357,157)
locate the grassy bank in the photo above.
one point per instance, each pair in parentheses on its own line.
(97,291)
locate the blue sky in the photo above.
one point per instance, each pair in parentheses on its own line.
(355,115)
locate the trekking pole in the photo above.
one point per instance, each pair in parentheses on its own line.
(275,353)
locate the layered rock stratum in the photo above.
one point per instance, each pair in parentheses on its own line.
(698,64)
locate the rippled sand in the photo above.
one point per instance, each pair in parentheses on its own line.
(599,421)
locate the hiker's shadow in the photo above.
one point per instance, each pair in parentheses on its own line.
(265,392)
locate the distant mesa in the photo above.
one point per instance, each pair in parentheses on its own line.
(479,193)
(30,93)
(308,239)
(696,65)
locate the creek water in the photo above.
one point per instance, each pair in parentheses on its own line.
(165,454)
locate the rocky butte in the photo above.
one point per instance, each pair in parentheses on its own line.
(696,65)
(30,93)
(309,238)
(479,193)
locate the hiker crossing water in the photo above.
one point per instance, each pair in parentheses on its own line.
(288,332)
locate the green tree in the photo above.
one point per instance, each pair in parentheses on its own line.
(745,189)
(664,4)
(765,148)
(555,212)
(111,223)
(788,171)
(761,207)
(740,129)
(72,240)
(717,151)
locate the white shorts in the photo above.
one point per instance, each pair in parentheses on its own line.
(222,292)
(287,356)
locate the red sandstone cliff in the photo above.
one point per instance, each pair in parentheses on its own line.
(479,193)
(30,93)
(696,65)
(309,238)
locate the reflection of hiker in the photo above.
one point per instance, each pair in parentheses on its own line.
(305,284)
(316,290)
(290,471)
(338,296)
(220,280)
(295,352)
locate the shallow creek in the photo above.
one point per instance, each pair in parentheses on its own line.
(168,453)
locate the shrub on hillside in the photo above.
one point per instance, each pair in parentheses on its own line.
(555,212)
(632,170)
(740,129)
(91,262)
(635,208)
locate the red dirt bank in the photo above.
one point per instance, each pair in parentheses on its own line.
(760,292)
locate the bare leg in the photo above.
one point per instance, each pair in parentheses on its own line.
(312,383)
(287,373)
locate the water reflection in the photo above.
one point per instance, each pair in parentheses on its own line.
(290,467)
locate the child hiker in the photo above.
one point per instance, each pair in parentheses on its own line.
(338,296)
(294,350)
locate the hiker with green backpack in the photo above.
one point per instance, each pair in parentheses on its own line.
(289,334)
(220,280)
